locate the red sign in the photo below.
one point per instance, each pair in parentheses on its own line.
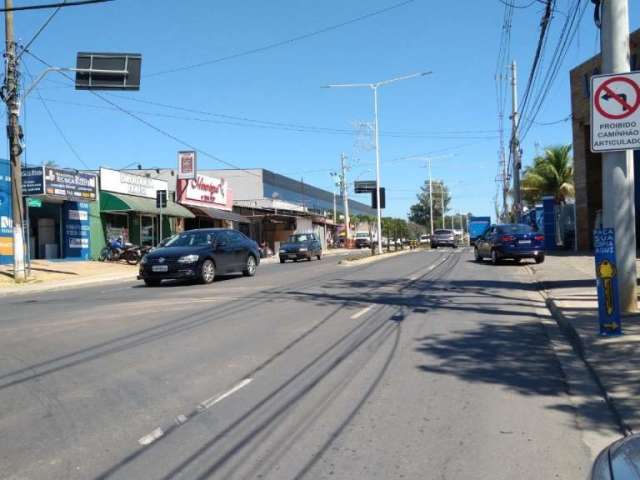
(204,191)
(614,94)
(186,164)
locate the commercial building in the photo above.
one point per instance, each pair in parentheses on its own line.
(128,210)
(57,219)
(588,165)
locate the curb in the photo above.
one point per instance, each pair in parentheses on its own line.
(574,339)
(38,288)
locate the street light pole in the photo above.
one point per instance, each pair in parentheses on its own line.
(430,198)
(374,87)
(617,167)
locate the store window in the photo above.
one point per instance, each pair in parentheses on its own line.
(116,226)
(147,230)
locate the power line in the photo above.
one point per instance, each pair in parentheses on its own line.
(40,30)
(281,43)
(512,5)
(54,5)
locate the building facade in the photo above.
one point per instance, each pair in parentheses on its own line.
(588,165)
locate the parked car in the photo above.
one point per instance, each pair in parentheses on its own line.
(443,238)
(618,461)
(513,241)
(200,255)
(424,239)
(362,240)
(301,246)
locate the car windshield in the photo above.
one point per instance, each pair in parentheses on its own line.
(299,238)
(443,232)
(515,229)
(190,239)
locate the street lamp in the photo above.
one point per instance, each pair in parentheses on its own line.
(374,87)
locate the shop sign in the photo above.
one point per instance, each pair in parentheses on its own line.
(186,165)
(82,215)
(129,184)
(70,184)
(75,242)
(34,202)
(204,191)
(33,181)
(77,231)
(6,221)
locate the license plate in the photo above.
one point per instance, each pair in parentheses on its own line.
(293,256)
(525,242)
(159,268)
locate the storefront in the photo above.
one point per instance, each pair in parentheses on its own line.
(211,201)
(128,208)
(6,221)
(57,203)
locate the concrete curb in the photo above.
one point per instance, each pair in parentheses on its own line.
(38,288)
(576,342)
(375,258)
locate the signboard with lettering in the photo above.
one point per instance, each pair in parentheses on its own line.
(129,184)
(604,240)
(204,191)
(6,219)
(186,165)
(70,184)
(77,231)
(33,181)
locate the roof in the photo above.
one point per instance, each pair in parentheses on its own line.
(119,202)
(219,214)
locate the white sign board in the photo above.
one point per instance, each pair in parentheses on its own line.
(615,112)
(138,185)
(205,191)
(186,165)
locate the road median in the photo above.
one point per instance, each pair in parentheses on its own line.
(364,258)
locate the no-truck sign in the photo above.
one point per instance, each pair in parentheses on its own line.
(615,112)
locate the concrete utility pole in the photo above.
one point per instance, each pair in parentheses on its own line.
(430,197)
(12,99)
(345,191)
(515,143)
(617,167)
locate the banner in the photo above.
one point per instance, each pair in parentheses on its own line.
(604,241)
(204,191)
(6,218)
(186,165)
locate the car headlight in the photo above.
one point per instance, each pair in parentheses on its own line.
(189,259)
(303,249)
(143,260)
(282,250)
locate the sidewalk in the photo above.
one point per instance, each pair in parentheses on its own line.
(47,275)
(570,287)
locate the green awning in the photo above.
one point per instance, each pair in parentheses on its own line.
(119,202)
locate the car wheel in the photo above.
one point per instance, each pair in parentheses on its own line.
(476,253)
(282,260)
(539,259)
(152,283)
(250,267)
(435,246)
(319,256)
(309,258)
(207,271)
(494,257)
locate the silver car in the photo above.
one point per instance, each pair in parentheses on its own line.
(444,238)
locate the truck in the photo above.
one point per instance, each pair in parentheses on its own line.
(477,227)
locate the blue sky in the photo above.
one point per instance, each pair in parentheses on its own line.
(450,114)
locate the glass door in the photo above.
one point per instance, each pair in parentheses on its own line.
(147,230)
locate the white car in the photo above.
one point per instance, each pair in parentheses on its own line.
(424,239)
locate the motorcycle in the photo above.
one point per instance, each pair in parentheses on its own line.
(117,250)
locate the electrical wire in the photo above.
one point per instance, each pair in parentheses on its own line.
(512,5)
(54,5)
(281,43)
(41,29)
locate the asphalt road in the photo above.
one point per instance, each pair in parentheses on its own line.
(423,366)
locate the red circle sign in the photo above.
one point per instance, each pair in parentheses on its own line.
(608,91)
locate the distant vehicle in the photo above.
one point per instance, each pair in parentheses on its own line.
(200,255)
(424,239)
(478,227)
(301,246)
(362,240)
(513,241)
(443,238)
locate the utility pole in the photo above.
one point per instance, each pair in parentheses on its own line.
(10,95)
(345,191)
(430,197)
(515,143)
(617,167)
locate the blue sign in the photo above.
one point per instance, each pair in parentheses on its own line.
(76,230)
(549,222)
(604,240)
(6,216)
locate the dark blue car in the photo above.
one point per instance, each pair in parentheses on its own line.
(200,255)
(512,241)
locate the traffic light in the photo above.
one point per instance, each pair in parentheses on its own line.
(374,199)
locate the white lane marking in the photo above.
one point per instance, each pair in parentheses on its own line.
(210,402)
(361,312)
(151,437)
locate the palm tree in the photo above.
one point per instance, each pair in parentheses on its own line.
(550,174)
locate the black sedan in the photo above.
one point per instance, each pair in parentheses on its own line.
(200,255)
(301,246)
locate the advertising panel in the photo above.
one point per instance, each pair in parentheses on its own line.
(204,191)
(129,184)
(6,221)
(70,184)
(33,181)
(604,241)
(77,231)
(186,165)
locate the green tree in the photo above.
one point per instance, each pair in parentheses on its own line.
(420,212)
(550,174)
